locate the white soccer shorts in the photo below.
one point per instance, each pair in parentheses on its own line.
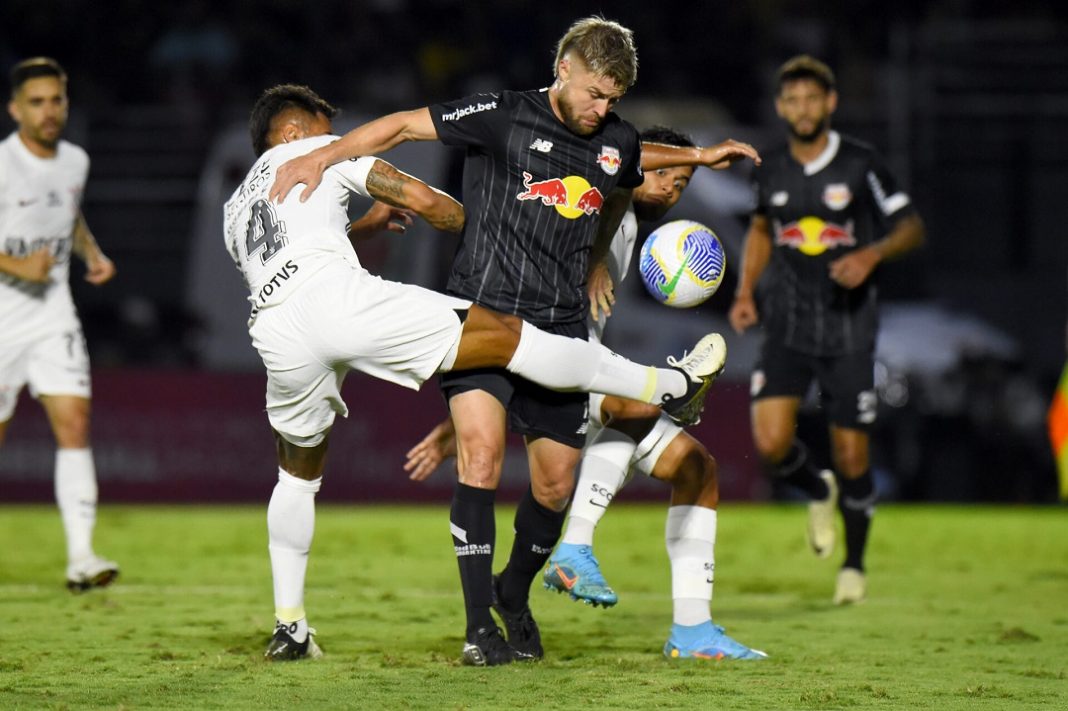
(348,319)
(56,364)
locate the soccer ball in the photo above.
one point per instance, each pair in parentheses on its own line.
(682,263)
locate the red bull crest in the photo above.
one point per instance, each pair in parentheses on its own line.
(812,236)
(571,196)
(609,159)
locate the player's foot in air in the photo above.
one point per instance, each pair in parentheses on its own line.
(574,570)
(851,587)
(487,648)
(706,641)
(700,366)
(523,634)
(90,573)
(284,648)
(821,532)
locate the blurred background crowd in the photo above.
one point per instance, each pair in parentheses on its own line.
(967,100)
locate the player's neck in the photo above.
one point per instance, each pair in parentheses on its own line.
(804,152)
(41,150)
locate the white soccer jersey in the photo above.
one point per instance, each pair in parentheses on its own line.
(620,252)
(279,246)
(39,203)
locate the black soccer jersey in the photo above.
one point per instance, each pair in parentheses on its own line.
(532,191)
(842,201)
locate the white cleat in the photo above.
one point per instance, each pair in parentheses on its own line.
(92,572)
(700,366)
(821,531)
(851,587)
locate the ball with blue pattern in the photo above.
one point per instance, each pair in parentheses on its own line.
(682,263)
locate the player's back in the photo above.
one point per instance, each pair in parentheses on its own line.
(278,246)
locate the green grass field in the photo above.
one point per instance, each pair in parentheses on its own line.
(967,609)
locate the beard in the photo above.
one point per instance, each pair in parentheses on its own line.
(810,136)
(571,120)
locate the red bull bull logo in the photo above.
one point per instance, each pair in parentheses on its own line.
(812,236)
(609,159)
(572,196)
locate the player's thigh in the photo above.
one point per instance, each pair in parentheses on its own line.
(479,418)
(14,361)
(847,390)
(779,381)
(552,471)
(396,332)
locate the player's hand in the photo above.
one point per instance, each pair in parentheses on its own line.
(851,270)
(724,155)
(601,291)
(743,313)
(34,267)
(424,458)
(381,217)
(99,270)
(306,169)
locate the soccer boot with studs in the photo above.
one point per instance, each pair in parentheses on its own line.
(574,570)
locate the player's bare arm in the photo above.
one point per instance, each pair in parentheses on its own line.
(720,156)
(34,267)
(438,445)
(756,254)
(369,139)
(98,268)
(851,270)
(599,283)
(397,188)
(380,217)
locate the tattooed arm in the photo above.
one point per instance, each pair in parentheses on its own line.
(394,187)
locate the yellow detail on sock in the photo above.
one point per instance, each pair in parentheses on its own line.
(651,376)
(289,614)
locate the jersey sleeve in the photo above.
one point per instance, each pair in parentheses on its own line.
(630,172)
(890,202)
(470,121)
(353,173)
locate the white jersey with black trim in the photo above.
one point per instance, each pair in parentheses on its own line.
(39,203)
(278,246)
(620,253)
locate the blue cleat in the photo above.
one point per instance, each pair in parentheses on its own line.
(706,641)
(574,570)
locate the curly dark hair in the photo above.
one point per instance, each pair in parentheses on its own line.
(278,99)
(667,136)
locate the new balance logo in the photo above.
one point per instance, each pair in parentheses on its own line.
(474,549)
(541,145)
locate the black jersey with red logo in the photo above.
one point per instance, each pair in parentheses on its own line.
(843,200)
(532,193)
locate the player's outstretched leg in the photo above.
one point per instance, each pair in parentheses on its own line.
(574,570)
(706,641)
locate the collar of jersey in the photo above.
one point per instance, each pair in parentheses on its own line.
(828,154)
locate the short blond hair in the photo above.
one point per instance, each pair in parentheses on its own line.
(605,47)
(804,66)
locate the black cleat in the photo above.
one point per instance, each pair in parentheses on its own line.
(283,648)
(487,648)
(523,634)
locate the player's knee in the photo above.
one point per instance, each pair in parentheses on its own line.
(772,445)
(553,495)
(479,465)
(851,464)
(695,478)
(72,430)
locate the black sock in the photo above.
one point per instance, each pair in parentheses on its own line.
(473,533)
(796,469)
(537,529)
(857,504)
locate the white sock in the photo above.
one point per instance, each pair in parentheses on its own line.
(690,535)
(561,363)
(602,471)
(75,481)
(290,528)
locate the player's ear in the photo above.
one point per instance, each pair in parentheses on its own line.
(563,69)
(832,101)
